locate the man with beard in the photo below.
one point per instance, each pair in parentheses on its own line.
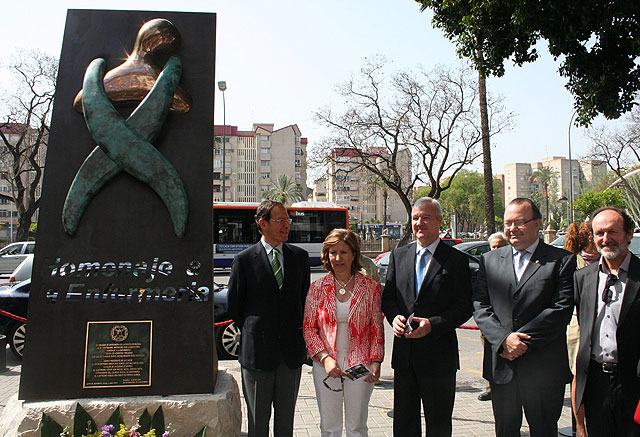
(608,302)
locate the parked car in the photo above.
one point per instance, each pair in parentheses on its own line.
(13,254)
(13,311)
(23,271)
(382,263)
(476,248)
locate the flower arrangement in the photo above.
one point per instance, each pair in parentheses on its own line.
(84,426)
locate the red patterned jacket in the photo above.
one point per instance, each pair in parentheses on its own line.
(366,333)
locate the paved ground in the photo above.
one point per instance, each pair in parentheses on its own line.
(470,416)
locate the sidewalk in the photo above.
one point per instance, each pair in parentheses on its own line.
(471,417)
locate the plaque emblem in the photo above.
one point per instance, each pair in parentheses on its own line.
(119,333)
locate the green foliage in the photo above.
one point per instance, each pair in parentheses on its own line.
(591,200)
(595,40)
(465,197)
(49,427)
(157,422)
(116,418)
(284,190)
(83,424)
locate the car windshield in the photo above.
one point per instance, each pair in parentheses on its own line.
(634,246)
(14,249)
(559,241)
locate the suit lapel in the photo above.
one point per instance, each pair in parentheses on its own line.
(406,262)
(507,266)
(534,264)
(631,289)
(590,298)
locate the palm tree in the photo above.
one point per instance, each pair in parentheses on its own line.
(284,190)
(544,177)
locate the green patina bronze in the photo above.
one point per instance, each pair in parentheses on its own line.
(125,145)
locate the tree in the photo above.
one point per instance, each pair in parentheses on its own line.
(588,202)
(596,41)
(620,150)
(284,190)
(484,124)
(432,115)
(545,177)
(466,199)
(26,108)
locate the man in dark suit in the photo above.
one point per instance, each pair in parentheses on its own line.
(523,301)
(431,282)
(267,290)
(608,302)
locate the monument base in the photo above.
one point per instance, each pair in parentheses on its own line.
(183,414)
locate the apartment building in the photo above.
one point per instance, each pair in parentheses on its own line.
(350,185)
(254,158)
(518,176)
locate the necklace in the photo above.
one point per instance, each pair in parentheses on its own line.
(343,287)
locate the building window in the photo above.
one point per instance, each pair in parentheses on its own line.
(216,175)
(217,163)
(264,138)
(266,175)
(298,150)
(265,163)
(298,163)
(264,188)
(265,150)
(298,139)
(217,151)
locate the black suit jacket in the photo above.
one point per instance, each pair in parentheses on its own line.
(270,319)
(444,298)
(627,334)
(540,305)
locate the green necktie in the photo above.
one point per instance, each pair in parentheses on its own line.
(277,268)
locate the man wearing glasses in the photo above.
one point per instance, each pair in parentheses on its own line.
(607,382)
(267,290)
(523,300)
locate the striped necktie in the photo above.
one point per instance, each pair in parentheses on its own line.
(277,268)
(520,264)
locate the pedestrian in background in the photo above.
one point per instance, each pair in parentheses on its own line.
(343,329)
(580,242)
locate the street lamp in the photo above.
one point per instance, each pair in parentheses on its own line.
(571,169)
(222,86)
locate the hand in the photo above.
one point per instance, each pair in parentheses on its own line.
(375,372)
(513,346)
(399,325)
(424,328)
(332,368)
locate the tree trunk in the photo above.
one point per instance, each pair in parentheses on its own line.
(489,210)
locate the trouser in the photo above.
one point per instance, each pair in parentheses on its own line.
(265,388)
(542,404)
(354,396)
(604,407)
(437,394)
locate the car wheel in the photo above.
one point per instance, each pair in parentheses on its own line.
(16,337)
(227,341)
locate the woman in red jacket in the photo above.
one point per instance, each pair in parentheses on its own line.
(343,328)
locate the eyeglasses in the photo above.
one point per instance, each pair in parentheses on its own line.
(607,294)
(281,221)
(519,224)
(324,381)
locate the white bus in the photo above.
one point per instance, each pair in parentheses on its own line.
(235,228)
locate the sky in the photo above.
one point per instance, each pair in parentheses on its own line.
(282,59)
